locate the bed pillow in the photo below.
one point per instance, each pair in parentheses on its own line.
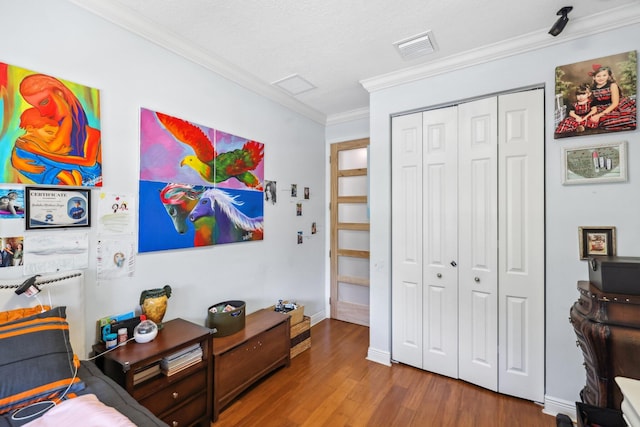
(19,313)
(36,360)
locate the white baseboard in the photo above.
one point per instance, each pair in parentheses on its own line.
(318,317)
(379,356)
(554,406)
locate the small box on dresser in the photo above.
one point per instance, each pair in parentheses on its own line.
(301,336)
(296,315)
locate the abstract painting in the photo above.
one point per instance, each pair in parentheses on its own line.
(49,130)
(198,186)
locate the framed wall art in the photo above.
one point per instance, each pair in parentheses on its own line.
(50,130)
(596,96)
(47,208)
(594,163)
(597,241)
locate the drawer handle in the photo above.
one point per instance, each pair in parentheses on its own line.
(175,394)
(174,423)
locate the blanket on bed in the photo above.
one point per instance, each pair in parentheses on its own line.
(87,408)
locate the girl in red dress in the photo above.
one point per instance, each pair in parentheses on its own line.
(580,111)
(614,111)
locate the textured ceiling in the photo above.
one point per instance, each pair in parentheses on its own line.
(337,45)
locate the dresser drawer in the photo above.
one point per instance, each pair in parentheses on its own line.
(188,414)
(176,393)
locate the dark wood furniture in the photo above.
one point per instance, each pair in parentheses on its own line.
(182,399)
(607,326)
(243,358)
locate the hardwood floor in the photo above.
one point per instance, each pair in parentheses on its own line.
(332,384)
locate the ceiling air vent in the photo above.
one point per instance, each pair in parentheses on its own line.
(294,85)
(416,46)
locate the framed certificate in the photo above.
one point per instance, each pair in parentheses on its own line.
(57,208)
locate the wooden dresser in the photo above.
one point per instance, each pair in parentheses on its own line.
(607,326)
(243,358)
(181,399)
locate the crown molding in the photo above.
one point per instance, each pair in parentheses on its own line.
(348,116)
(577,28)
(136,24)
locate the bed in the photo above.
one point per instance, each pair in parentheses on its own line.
(38,365)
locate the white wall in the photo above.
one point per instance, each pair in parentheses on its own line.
(60,39)
(567,207)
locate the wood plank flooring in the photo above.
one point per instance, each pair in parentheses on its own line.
(332,384)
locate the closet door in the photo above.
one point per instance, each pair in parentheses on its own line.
(440,241)
(521,257)
(406,239)
(478,242)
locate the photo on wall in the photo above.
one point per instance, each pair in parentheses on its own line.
(596,96)
(49,130)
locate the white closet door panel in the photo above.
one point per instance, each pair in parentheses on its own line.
(521,258)
(478,240)
(440,237)
(406,296)
(407,323)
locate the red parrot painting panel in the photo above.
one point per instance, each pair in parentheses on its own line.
(198,186)
(49,130)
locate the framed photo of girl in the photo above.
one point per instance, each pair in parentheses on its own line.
(596,96)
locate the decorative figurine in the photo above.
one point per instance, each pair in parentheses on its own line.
(154,303)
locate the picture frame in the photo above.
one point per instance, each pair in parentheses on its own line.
(50,207)
(589,164)
(584,90)
(597,241)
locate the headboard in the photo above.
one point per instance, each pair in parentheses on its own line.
(59,289)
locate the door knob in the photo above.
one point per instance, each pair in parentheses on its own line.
(453,263)
(439,275)
(477,279)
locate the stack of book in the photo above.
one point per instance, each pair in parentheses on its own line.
(146,373)
(182,359)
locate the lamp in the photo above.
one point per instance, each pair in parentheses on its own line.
(561,22)
(28,287)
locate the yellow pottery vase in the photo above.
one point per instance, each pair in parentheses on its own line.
(154,303)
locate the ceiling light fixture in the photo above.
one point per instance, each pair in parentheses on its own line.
(561,22)
(416,46)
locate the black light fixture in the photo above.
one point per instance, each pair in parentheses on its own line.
(561,22)
(28,287)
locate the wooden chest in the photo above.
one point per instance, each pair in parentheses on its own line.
(607,328)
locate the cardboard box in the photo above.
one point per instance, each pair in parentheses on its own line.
(296,315)
(300,336)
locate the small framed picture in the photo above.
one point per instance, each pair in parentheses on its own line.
(47,208)
(594,163)
(597,241)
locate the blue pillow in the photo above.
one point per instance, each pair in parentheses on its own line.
(36,360)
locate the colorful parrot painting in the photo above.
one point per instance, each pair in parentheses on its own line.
(199,186)
(214,167)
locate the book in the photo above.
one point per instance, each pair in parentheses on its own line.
(146,373)
(175,370)
(182,352)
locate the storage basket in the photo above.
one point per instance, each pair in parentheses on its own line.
(225,323)
(296,315)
